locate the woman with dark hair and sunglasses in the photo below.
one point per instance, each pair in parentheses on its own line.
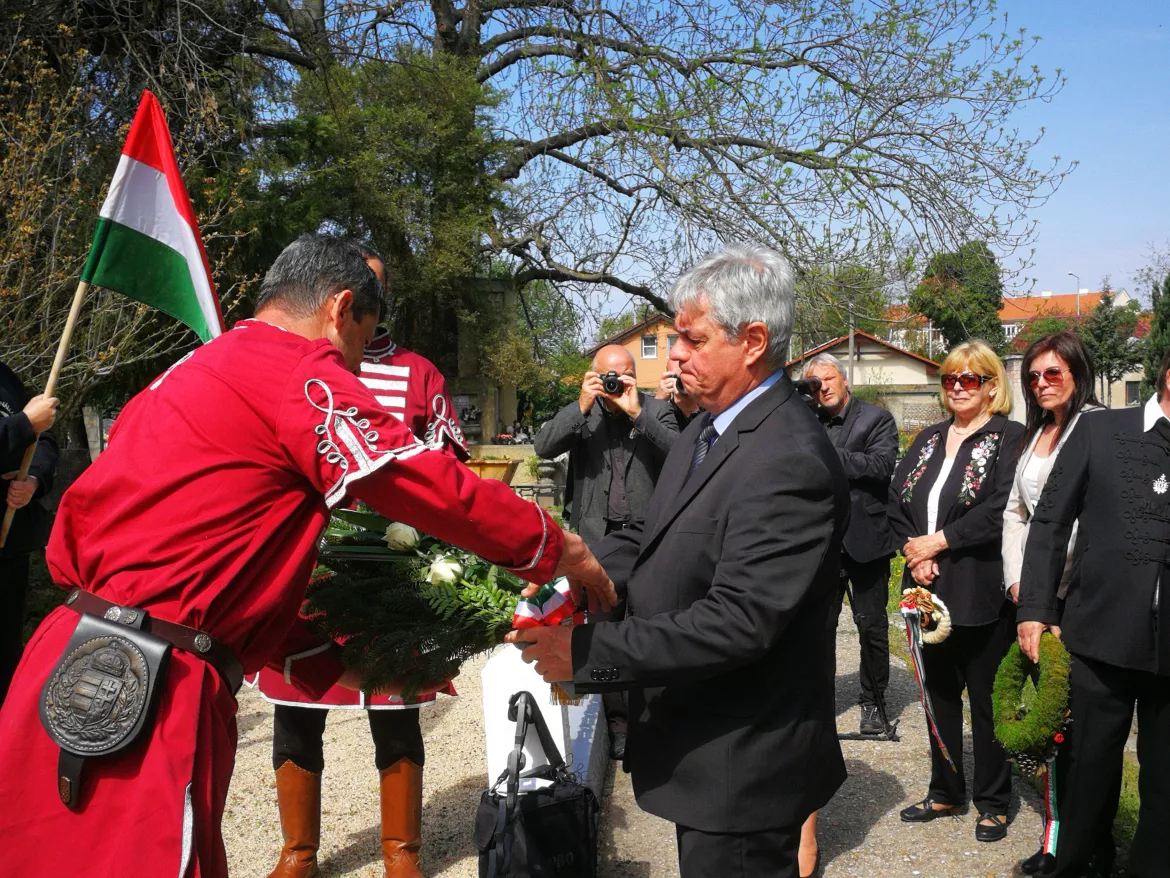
(946,507)
(1058,388)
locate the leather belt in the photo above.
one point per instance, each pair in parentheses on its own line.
(190,640)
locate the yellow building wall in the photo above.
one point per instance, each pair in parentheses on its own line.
(650,369)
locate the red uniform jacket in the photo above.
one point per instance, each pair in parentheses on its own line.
(411,388)
(205,510)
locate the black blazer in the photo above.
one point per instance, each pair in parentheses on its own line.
(868,444)
(1112,477)
(970,513)
(31,524)
(586,440)
(728,647)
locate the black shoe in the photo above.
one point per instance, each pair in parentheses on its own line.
(617,745)
(924,811)
(871,722)
(996,831)
(1035,864)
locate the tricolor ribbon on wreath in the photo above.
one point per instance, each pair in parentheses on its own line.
(552,605)
(927,621)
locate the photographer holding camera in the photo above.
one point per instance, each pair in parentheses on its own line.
(617,438)
(685,406)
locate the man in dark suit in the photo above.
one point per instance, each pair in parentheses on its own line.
(1112,477)
(730,583)
(866,438)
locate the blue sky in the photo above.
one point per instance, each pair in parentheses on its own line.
(1113,116)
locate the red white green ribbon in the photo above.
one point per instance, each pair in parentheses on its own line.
(551,606)
(1051,816)
(913,617)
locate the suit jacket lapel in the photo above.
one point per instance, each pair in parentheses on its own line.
(850,422)
(720,451)
(674,473)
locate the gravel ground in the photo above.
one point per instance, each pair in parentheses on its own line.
(860,833)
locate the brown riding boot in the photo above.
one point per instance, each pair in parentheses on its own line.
(298,793)
(401,787)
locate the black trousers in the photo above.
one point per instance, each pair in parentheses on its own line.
(771,853)
(616,704)
(298,734)
(968,658)
(13,594)
(1089,768)
(869,582)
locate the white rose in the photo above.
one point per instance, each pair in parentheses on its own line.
(401,536)
(445,570)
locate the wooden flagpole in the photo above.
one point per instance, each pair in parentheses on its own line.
(50,387)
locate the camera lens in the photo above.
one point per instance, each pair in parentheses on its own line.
(611,383)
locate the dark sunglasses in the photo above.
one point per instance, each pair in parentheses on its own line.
(966,380)
(1052,376)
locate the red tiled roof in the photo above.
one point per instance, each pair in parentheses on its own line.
(857,333)
(1015,308)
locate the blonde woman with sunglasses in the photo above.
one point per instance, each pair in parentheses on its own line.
(946,508)
(1058,379)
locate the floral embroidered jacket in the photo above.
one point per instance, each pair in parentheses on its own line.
(970,512)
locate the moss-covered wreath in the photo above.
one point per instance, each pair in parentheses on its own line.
(1031,734)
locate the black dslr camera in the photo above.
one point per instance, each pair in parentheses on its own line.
(809,389)
(611,383)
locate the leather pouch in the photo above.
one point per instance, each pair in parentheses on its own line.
(102,695)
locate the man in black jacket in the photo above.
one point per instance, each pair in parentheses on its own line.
(1112,476)
(727,645)
(866,438)
(616,443)
(22,418)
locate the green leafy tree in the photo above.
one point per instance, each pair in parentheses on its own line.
(636,133)
(962,293)
(1107,333)
(830,299)
(1157,340)
(1036,328)
(539,349)
(394,153)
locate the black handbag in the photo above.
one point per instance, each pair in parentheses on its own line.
(546,833)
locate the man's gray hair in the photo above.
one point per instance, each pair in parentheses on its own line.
(314,267)
(742,284)
(825,360)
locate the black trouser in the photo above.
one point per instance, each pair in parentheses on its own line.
(968,658)
(298,732)
(771,853)
(1089,768)
(869,583)
(13,593)
(616,704)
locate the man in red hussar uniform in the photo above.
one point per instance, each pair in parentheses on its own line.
(411,388)
(189,542)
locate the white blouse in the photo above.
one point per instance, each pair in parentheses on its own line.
(935,493)
(1030,479)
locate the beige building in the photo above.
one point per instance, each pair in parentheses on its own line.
(649,343)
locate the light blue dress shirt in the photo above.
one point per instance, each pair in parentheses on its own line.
(723,421)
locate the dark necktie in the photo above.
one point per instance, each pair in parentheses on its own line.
(706,436)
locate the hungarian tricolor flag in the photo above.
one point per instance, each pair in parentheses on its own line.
(147,244)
